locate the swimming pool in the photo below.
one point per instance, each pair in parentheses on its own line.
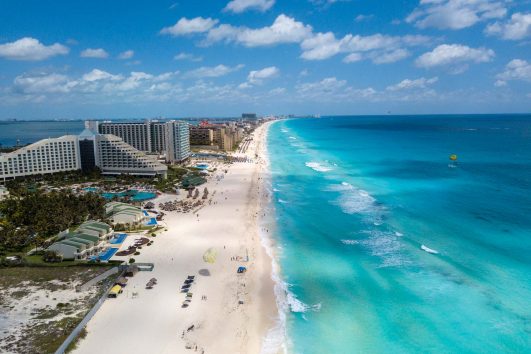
(105,255)
(202,166)
(90,189)
(145,213)
(136,196)
(151,222)
(118,239)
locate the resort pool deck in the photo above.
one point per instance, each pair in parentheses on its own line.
(105,255)
(136,196)
(118,239)
(151,222)
(202,166)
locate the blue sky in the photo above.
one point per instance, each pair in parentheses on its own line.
(120,59)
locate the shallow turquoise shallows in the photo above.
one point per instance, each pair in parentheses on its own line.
(389,246)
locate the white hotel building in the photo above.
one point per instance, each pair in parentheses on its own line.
(171,138)
(45,156)
(84,152)
(114,156)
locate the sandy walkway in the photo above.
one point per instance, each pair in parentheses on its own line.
(154,321)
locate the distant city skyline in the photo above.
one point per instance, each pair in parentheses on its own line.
(100,60)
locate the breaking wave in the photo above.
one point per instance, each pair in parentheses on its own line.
(316,166)
(429,250)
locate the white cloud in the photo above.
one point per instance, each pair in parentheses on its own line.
(391,57)
(335,90)
(128,54)
(320,46)
(92,84)
(332,89)
(455,14)
(99,53)
(257,77)
(30,49)
(329,84)
(212,71)
(518,27)
(278,91)
(361,18)
(284,30)
(323,4)
(380,48)
(352,58)
(97,74)
(516,69)
(133,81)
(190,26)
(408,84)
(42,83)
(187,56)
(98,87)
(239,6)
(455,56)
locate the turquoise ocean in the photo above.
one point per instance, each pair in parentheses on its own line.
(387,246)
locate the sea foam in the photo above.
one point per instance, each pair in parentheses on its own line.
(296,305)
(429,250)
(316,166)
(350,242)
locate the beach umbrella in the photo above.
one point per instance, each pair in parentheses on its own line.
(210,256)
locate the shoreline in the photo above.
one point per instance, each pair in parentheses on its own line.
(230,313)
(275,340)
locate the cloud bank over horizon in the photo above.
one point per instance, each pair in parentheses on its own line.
(219,59)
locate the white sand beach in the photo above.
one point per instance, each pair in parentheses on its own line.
(154,322)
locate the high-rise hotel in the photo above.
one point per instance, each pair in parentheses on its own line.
(85,152)
(171,138)
(46,156)
(115,148)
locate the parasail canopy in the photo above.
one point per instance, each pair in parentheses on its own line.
(210,256)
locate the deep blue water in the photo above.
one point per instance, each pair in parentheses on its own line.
(27,132)
(357,197)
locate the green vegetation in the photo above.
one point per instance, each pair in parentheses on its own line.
(31,219)
(74,343)
(52,257)
(49,326)
(20,186)
(175,176)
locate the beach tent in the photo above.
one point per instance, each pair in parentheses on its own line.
(241,270)
(210,256)
(115,290)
